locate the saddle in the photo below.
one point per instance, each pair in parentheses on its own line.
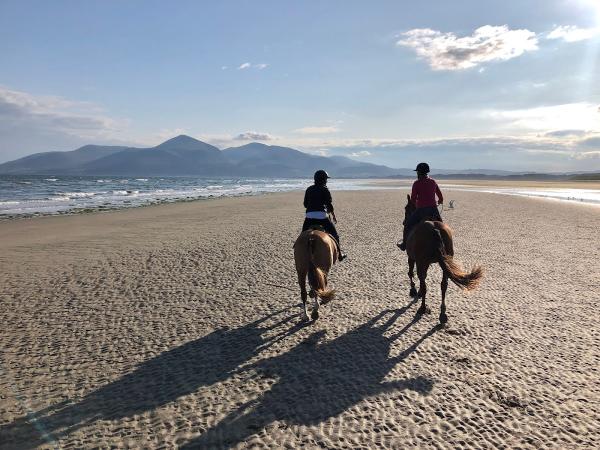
(317,227)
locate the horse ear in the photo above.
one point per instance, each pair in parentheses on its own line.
(408,198)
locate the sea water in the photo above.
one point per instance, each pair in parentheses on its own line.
(35,195)
(23,195)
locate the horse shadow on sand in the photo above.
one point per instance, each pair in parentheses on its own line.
(154,383)
(314,381)
(318,380)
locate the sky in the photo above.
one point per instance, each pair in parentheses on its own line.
(463,84)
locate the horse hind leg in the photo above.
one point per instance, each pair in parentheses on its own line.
(411,274)
(422,274)
(444,286)
(303,294)
(315,312)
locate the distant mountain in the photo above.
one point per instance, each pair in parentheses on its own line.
(257,159)
(184,155)
(58,162)
(181,155)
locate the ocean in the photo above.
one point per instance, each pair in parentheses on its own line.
(22,195)
(30,195)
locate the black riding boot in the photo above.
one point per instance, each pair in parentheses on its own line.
(341,254)
(402,245)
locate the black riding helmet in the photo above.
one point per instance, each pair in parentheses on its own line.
(422,168)
(321,177)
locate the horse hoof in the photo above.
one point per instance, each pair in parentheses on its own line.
(443,318)
(413,292)
(423,310)
(305,318)
(315,314)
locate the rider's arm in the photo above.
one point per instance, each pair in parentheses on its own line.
(328,200)
(414,193)
(306,199)
(439,194)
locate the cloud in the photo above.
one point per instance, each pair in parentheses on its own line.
(248,65)
(566,133)
(40,123)
(447,51)
(168,133)
(572,33)
(253,136)
(572,116)
(361,154)
(317,130)
(593,142)
(588,155)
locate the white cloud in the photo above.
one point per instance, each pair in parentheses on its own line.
(572,33)
(361,154)
(447,51)
(168,133)
(253,136)
(31,123)
(588,155)
(317,130)
(570,116)
(248,65)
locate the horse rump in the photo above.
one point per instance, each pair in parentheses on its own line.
(317,278)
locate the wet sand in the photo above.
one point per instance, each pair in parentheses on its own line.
(179,326)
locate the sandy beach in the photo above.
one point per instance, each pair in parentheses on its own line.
(178,326)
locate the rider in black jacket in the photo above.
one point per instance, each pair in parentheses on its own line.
(317,201)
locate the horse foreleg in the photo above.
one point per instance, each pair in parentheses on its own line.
(422,274)
(303,294)
(444,285)
(411,274)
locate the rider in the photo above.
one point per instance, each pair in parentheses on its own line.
(423,195)
(317,201)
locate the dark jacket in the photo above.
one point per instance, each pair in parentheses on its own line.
(318,198)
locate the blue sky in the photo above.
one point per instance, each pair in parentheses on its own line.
(464,84)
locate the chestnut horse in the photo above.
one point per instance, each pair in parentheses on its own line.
(315,252)
(430,242)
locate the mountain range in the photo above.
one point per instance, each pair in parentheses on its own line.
(183,155)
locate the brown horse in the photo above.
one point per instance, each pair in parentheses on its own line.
(430,242)
(315,252)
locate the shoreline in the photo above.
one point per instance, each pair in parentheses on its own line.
(362,185)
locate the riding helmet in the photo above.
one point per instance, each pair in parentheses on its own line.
(422,168)
(321,176)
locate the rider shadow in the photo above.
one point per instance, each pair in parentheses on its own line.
(316,381)
(156,382)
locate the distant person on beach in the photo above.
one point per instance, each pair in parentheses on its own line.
(424,191)
(317,201)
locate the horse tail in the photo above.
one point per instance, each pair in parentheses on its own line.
(316,276)
(452,270)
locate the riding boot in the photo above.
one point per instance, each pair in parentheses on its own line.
(341,254)
(402,245)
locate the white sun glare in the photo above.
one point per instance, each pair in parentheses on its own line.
(594,7)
